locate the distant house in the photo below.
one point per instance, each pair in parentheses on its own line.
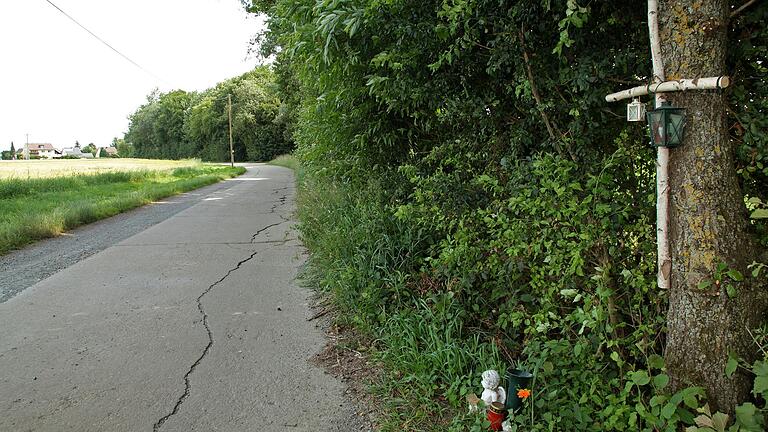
(39,151)
(76,152)
(111,151)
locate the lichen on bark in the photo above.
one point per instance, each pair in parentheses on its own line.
(708,219)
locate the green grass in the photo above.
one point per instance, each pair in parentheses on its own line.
(37,208)
(433,362)
(287,161)
(430,357)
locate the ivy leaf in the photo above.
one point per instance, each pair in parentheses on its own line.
(668,410)
(690,400)
(720,421)
(442,32)
(761,385)
(735,275)
(703,421)
(745,416)
(759,214)
(656,361)
(660,381)
(640,377)
(760,368)
(730,367)
(705,410)
(615,357)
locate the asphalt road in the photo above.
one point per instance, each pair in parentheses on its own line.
(192,324)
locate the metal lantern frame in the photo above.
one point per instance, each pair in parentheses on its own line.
(667,125)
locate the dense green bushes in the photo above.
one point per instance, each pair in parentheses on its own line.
(179,124)
(472,201)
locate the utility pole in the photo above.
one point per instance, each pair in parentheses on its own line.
(26,149)
(231,149)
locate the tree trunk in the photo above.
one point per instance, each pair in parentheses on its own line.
(708,219)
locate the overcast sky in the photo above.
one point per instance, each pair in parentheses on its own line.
(60,84)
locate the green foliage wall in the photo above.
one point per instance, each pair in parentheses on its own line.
(179,124)
(469,187)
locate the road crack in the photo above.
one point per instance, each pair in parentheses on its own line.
(187,386)
(253,237)
(208,347)
(280,202)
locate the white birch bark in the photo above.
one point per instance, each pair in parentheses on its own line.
(709,83)
(662,158)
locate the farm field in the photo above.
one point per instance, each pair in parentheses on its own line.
(20,169)
(41,199)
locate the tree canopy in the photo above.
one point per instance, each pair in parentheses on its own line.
(182,124)
(477,194)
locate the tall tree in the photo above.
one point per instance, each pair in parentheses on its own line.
(13,151)
(708,219)
(124,149)
(181,124)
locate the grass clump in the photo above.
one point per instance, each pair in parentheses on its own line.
(361,253)
(287,161)
(37,208)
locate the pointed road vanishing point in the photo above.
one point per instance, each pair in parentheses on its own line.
(194,324)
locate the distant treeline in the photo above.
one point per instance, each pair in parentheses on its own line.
(182,124)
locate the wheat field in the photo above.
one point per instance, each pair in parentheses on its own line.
(44,168)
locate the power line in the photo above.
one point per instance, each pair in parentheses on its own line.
(105,43)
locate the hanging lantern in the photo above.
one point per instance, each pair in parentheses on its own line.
(666,124)
(635,111)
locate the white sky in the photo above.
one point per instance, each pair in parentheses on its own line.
(60,84)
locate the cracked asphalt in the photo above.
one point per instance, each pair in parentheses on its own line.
(195,323)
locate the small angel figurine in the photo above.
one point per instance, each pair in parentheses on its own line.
(492,391)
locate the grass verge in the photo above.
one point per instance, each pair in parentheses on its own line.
(288,161)
(427,358)
(37,208)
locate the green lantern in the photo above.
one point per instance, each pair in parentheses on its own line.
(666,124)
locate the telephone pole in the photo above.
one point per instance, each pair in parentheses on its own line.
(26,149)
(231,149)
